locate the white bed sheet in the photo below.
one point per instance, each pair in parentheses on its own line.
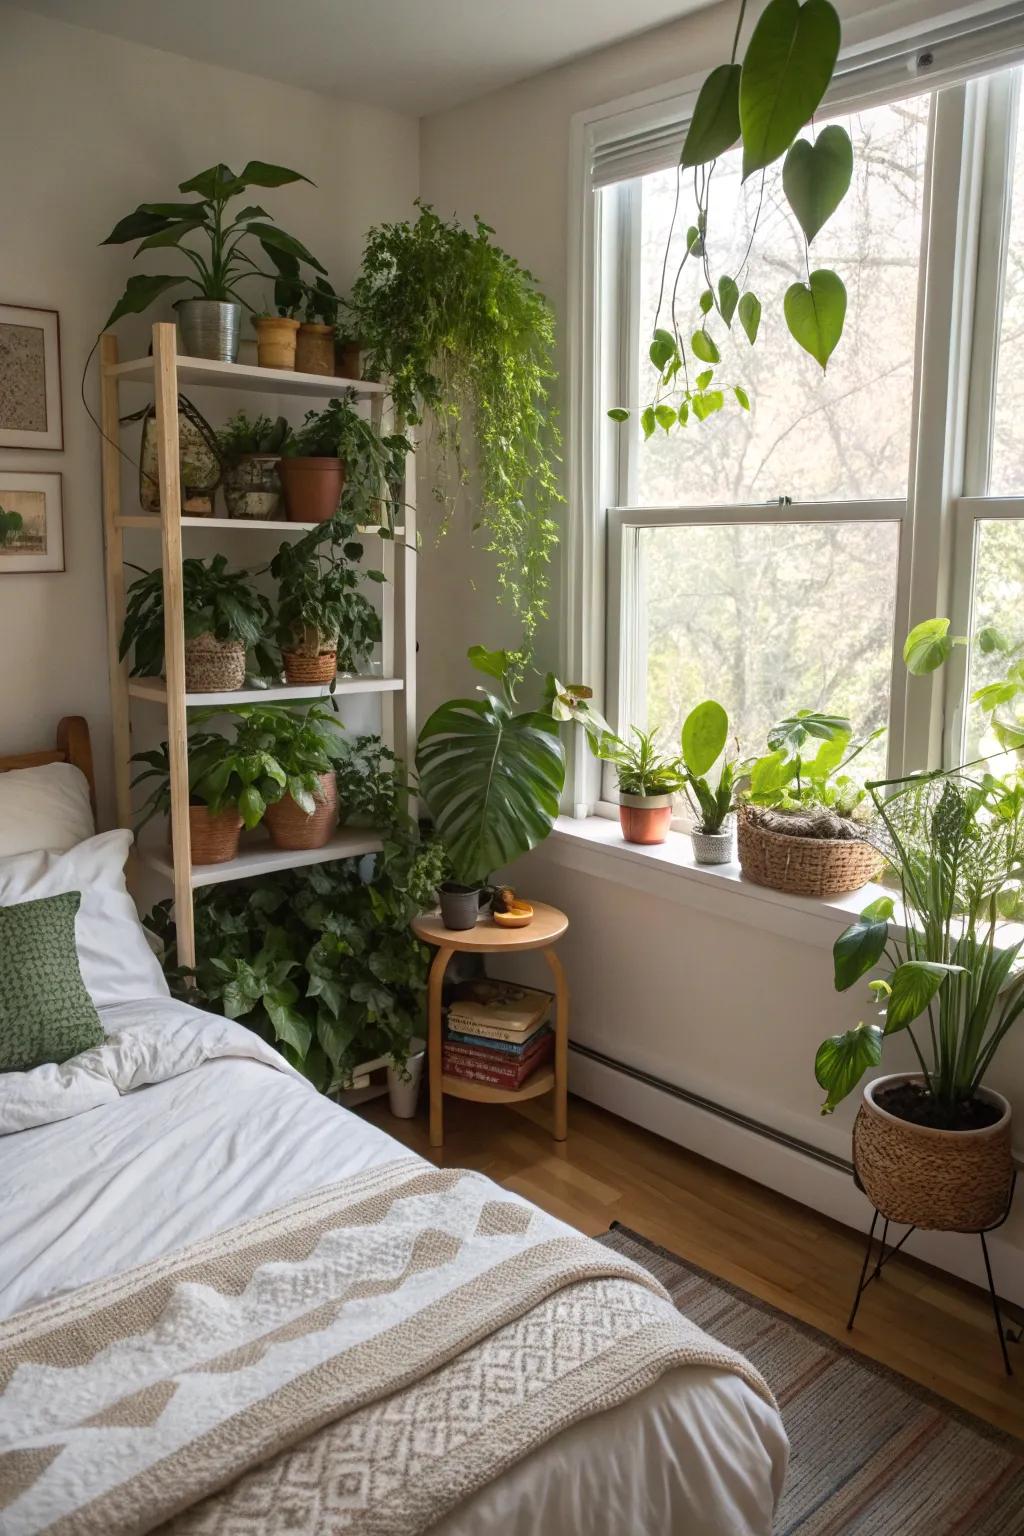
(147,1172)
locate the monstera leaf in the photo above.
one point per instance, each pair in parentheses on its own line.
(491,780)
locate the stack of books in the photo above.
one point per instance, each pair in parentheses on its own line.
(497,1033)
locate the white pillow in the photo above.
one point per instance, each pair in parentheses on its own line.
(117,963)
(45,807)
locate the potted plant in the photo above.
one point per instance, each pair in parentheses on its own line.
(933,1147)
(210,322)
(314,347)
(705,732)
(323,622)
(219,779)
(802,818)
(275,339)
(296,789)
(647,781)
(224,617)
(312,470)
(250,450)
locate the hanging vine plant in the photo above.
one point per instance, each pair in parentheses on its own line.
(467,338)
(762,102)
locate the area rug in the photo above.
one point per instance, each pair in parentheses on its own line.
(872,1454)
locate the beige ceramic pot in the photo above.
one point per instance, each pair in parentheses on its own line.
(314,349)
(275,341)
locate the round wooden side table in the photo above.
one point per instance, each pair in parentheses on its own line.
(488,939)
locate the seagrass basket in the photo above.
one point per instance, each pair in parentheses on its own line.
(942,1181)
(290,827)
(311,659)
(803,866)
(214,839)
(214,666)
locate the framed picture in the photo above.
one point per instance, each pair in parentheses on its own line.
(30,399)
(31,523)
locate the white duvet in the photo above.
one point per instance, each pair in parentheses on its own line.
(183,1123)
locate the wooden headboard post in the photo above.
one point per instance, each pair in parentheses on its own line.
(73,746)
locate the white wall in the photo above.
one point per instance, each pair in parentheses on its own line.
(93,126)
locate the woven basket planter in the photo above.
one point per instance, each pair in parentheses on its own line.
(214,839)
(214,666)
(804,866)
(290,827)
(314,661)
(942,1181)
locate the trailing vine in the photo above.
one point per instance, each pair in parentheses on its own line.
(467,338)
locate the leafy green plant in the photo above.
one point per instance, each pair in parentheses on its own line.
(929,645)
(11,524)
(320,962)
(956,845)
(314,302)
(704,735)
(763,101)
(641,768)
(318,599)
(243,435)
(463,333)
(803,768)
(373,787)
(226,263)
(373,463)
(491,778)
(216,601)
(220,772)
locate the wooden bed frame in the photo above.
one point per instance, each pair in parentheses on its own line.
(73,746)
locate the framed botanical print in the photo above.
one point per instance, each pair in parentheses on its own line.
(30,393)
(31,523)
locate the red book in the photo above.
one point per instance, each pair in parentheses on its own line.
(494,1061)
(498,1074)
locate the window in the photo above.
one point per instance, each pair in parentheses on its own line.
(775,560)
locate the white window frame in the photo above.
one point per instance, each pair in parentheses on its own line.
(926,716)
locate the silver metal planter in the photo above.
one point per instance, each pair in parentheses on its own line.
(209,328)
(715,847)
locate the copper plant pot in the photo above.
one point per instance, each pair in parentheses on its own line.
(275,342)
(314,349)
(214,839)
(214,666)
(290,827)
(312,488)
(645,819)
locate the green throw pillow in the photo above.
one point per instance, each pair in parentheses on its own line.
(45,1012)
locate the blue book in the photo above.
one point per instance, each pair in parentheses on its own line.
(506,1047)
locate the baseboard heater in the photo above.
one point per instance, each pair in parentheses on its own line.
(698,1101)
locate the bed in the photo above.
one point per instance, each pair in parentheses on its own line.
(486,1369)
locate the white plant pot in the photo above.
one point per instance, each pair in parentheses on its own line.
(404,1088)
(715,847)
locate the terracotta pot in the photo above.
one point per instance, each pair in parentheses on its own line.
(275,341)
(945,1181)
(214,666)
(214,839)
(645,818)
(312,488)
(290,827)
(314,349)
(348,360)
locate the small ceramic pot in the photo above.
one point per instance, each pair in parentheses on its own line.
(645,819)
(214,839)
(404,1086)
(461,905)
(209,328)
(289,825)
(312,488)
(314,349)
(714,847)
(275,341)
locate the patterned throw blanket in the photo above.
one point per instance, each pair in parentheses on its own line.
(359,1360)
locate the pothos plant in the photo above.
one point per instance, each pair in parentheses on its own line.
(462,331)
(374,462)
(762,100)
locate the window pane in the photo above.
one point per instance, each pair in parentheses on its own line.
(844,435)
(768,620)
(1007,473)
(998,600)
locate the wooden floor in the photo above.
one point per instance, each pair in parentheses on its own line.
(933,1329)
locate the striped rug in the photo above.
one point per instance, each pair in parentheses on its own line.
(872,1454)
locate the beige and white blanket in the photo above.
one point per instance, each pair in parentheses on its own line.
(359,1360)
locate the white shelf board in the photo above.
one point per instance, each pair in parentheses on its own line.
(269,381)
(154,691)
(236,524)
(262,858)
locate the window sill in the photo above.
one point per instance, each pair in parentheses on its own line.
(593,845)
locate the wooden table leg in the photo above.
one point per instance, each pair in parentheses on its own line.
(437,969)
(561,1045)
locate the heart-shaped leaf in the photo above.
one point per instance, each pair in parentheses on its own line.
(816,177)
(648,421)
(707,302)
(750,315)
(715,124)
(927,646)
(704,348)
(662,348)
(704,734)
(815,313)
(728,298)
(786,71)
(914,984)
(842,1061)
(742,398)
(618,413)
(859,948)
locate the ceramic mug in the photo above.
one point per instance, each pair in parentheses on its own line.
(462,904)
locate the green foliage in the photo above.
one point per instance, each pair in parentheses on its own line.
(318,593)
(216,601)
(763,100)
(321,961)
(464,334)
(803,767)
(243,435)
(956,845)
(11,523)
(373,463)
(703,738)
(641,768)
(224,262)
(930,644)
